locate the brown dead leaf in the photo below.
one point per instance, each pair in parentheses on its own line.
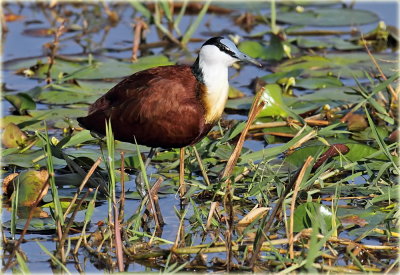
(7,187)
(10,17)
(254,214)
(356,122)
(353,219)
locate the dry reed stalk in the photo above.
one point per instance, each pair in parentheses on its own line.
(53,49)
(278,205)
(256,107)
(182,185)
(139,27)
(213,206)
(153,193)
(118,241)
(122,197)
(307,137)
(254,110)
(299,179)
(308,232)
(67,227)
(390,88)
(202,169)
(277,134)
(310,121)
(85,180)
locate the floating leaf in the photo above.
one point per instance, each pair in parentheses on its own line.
(356,122)
(234,93)
(274,105)
(314,83)
(328,17)
(352,220)
(10,17)
(39,32)
(343,65)
(66,97)
(105,68)
(13,137)
(21,102)
(278,76)
(305,214)
(334,42)
(31,183)
(78,138)
(312,43)
(256,50)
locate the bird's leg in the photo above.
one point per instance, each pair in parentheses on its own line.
(139,177)
(182,185)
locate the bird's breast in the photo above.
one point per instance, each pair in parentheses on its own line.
(214,99)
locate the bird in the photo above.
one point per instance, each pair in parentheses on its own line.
(169,106)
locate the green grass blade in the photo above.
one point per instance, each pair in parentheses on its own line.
(55,260)
(23,267)
(273,18)
(111,165)
(178,19)
(379,140)
(165,5)
(59,215)
(137,5)
(192,28)
(14,208)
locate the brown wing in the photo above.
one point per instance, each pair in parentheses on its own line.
(158,107)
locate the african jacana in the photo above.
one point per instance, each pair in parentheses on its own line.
(169,106)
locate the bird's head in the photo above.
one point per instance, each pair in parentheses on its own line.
(223,51)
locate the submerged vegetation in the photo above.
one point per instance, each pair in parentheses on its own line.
(301,173)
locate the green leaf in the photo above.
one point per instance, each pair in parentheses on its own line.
(314,83)
(388,193)
(344,65)
(13,137)
(65,97)
(257,50)
(21,102)
(103,68)
(312,43)
(275,77)
(306,212)
(31,183)
(328,17)
(78,138)
(274,104)
(138,6)
(192,28)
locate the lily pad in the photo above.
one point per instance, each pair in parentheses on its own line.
(274,51)
(328,17)
(344,65)
(99,69)
(31,184)
(65,97)
(12,136)
(306,213)
(314,83)
(21,102)
(274,105)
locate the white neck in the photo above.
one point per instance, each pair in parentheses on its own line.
(214,67)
